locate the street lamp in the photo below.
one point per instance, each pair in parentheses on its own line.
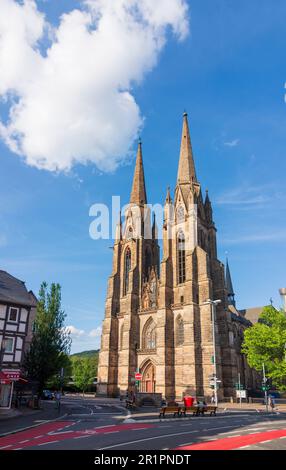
(214,304)
(282,293)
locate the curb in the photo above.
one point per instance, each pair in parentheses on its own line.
(33,426)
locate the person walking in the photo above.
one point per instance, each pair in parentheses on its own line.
(58,397)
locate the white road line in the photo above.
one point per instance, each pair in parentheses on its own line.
(283,437)
(82,437)
(235,435)
(186,444)
(152,438)
(244,447)
(38,437)
(23,442)
(111,432)
(5,447)
(46,443)
(19,448)
(264,442)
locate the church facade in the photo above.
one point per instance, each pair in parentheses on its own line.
(158,318)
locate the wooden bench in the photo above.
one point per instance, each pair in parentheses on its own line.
(129,404)
(174,410)
(192,409)
(197,410)
(211,409)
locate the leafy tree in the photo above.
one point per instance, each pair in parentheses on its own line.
(265,342)
(51,341)
(84,372)
(58,381)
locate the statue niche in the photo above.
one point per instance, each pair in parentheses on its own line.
(150,292)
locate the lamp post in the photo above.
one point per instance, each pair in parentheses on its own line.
(214,304)
(282,293)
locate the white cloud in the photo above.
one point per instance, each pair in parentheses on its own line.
(96,333)
(232,143)
(75,331)
(71,101)
(84,340)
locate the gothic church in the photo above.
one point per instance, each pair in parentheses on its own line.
(157,318)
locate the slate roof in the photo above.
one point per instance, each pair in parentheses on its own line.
(14,291)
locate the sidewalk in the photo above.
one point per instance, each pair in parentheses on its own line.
(13,420)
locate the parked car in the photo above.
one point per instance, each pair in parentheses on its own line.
(47,395)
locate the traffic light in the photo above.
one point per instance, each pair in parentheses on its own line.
(265,385)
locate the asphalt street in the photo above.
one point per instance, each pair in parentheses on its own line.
(101,424)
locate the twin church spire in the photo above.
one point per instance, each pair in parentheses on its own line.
(186,169)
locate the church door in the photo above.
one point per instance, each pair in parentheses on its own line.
(148,379)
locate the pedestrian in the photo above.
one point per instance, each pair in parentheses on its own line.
(212,399)
(58,397)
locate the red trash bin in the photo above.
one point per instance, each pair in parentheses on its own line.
(188,401)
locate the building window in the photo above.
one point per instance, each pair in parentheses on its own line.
(127,267)
(148,262)
(180,331)
(121,336)
(130,232)
(13,314)
(9,345)
(180,214)
(149,335)
(181,258)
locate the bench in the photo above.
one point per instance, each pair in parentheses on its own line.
(174,410)
(130,404)
(197,411)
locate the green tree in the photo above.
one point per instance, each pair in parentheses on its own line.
(84,372)
(51,341)
(59,381)
(265,342)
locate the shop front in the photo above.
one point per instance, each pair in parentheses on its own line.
(7,379)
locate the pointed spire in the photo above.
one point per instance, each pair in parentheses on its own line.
(138,193)
(229,286)
(168,199)
(207,199)
(186,170)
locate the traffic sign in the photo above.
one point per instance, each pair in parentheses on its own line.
(138,376)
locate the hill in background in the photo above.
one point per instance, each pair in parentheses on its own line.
(91,353)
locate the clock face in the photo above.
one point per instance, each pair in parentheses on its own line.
(129,233)
(180,214)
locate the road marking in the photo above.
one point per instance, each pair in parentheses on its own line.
(81,437)
(113,432)
(283,437)
(243,447)
(264,442)
(235,435)
(151,438)
(46,443)
(23,442)
(5,447)
(39,437)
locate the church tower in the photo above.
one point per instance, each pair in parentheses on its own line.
(158,320)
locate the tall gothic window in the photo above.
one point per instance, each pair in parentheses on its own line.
(127,267)
(149,335)
(148,261)
(179,331)
(121,336)
(181,258)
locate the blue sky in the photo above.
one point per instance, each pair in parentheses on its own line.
(229,73)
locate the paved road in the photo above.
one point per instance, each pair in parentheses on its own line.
(99,424)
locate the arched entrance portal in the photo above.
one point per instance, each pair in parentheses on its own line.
(148,384)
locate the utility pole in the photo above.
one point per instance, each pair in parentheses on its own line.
(214,303)
(265,387)
(239,388)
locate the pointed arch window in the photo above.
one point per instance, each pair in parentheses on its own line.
(149,335)
(127,267)
(121,336)
(179,331)
(181,258)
